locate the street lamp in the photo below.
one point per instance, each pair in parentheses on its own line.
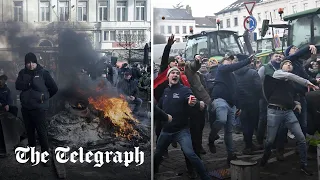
(218,23)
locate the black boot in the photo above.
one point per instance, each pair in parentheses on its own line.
(280,156)
(230,158)
(264,159)
(305,170)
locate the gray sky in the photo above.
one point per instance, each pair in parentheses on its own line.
(200,8)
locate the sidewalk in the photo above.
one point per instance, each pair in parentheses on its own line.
(175,168)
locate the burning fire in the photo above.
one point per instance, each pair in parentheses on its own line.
(119,113)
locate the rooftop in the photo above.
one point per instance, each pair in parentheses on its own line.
(172,14)
(204,22)
(235,6)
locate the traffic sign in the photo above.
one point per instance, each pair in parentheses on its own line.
(250,23)
(249,6)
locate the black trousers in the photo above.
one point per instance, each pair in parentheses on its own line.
(196,124)
(249,118)
(36,120)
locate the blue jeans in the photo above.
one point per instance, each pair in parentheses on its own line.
(137,102)
(225,115)
(274,120)
(183,137)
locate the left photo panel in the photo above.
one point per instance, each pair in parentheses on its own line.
(75,89)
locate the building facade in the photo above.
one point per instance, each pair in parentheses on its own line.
(205,24)
(174,21)
(232,17)
(106,21)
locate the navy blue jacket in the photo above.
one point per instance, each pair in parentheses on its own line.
(37,88)
(225,84)
(249,87)
(174,101)
(5,96)
(298,68)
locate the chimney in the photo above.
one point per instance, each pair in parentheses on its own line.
(188,8)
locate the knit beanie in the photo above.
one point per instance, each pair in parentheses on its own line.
(171,59)
(286,53)
(30,57)
(172,69)
(283,62)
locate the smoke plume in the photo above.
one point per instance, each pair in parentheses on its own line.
(157,38)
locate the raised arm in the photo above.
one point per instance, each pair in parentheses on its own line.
(281,75)
(234,67)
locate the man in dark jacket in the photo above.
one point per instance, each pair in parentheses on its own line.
(37,88)
(128,87)
(5,97)
(224,95)
(282,101)
(248,95)
(296,56)
(176,101)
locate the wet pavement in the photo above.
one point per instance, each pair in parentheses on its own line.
(174,167)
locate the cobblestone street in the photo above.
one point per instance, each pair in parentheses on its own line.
(175,168)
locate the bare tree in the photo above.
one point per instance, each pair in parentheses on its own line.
(178,6)
(132,44)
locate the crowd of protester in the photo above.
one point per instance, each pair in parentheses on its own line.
(269,99)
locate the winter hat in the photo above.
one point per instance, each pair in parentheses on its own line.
(3,77)
(30,57)
(172,69)
(283,62)
(286,53)
(171,59)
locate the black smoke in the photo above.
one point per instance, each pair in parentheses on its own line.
(76,53)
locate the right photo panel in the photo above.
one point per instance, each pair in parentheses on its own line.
(236,89)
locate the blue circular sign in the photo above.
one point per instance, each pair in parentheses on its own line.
(250,23)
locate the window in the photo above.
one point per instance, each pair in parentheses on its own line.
(266,14)
(169,29)
(162,30)
(259,17)
(44,11)
(82,11)
(294,9)
(184,29)
(177,39)
(122,11)
(177,30)
(228,23)
(275,12)
(235,21)
(221,24)
(317,3)
(140,10)
(184,39)
(103,11)
(64,10)
(109,35)
(305,6)
(18,11)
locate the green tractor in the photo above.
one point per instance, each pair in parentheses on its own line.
(302,29)
(215,44)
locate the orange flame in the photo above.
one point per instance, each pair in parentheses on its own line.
(119,113)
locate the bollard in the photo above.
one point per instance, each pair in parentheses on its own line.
(318,154)
(244,170)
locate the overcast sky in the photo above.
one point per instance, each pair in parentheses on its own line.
(200,8)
